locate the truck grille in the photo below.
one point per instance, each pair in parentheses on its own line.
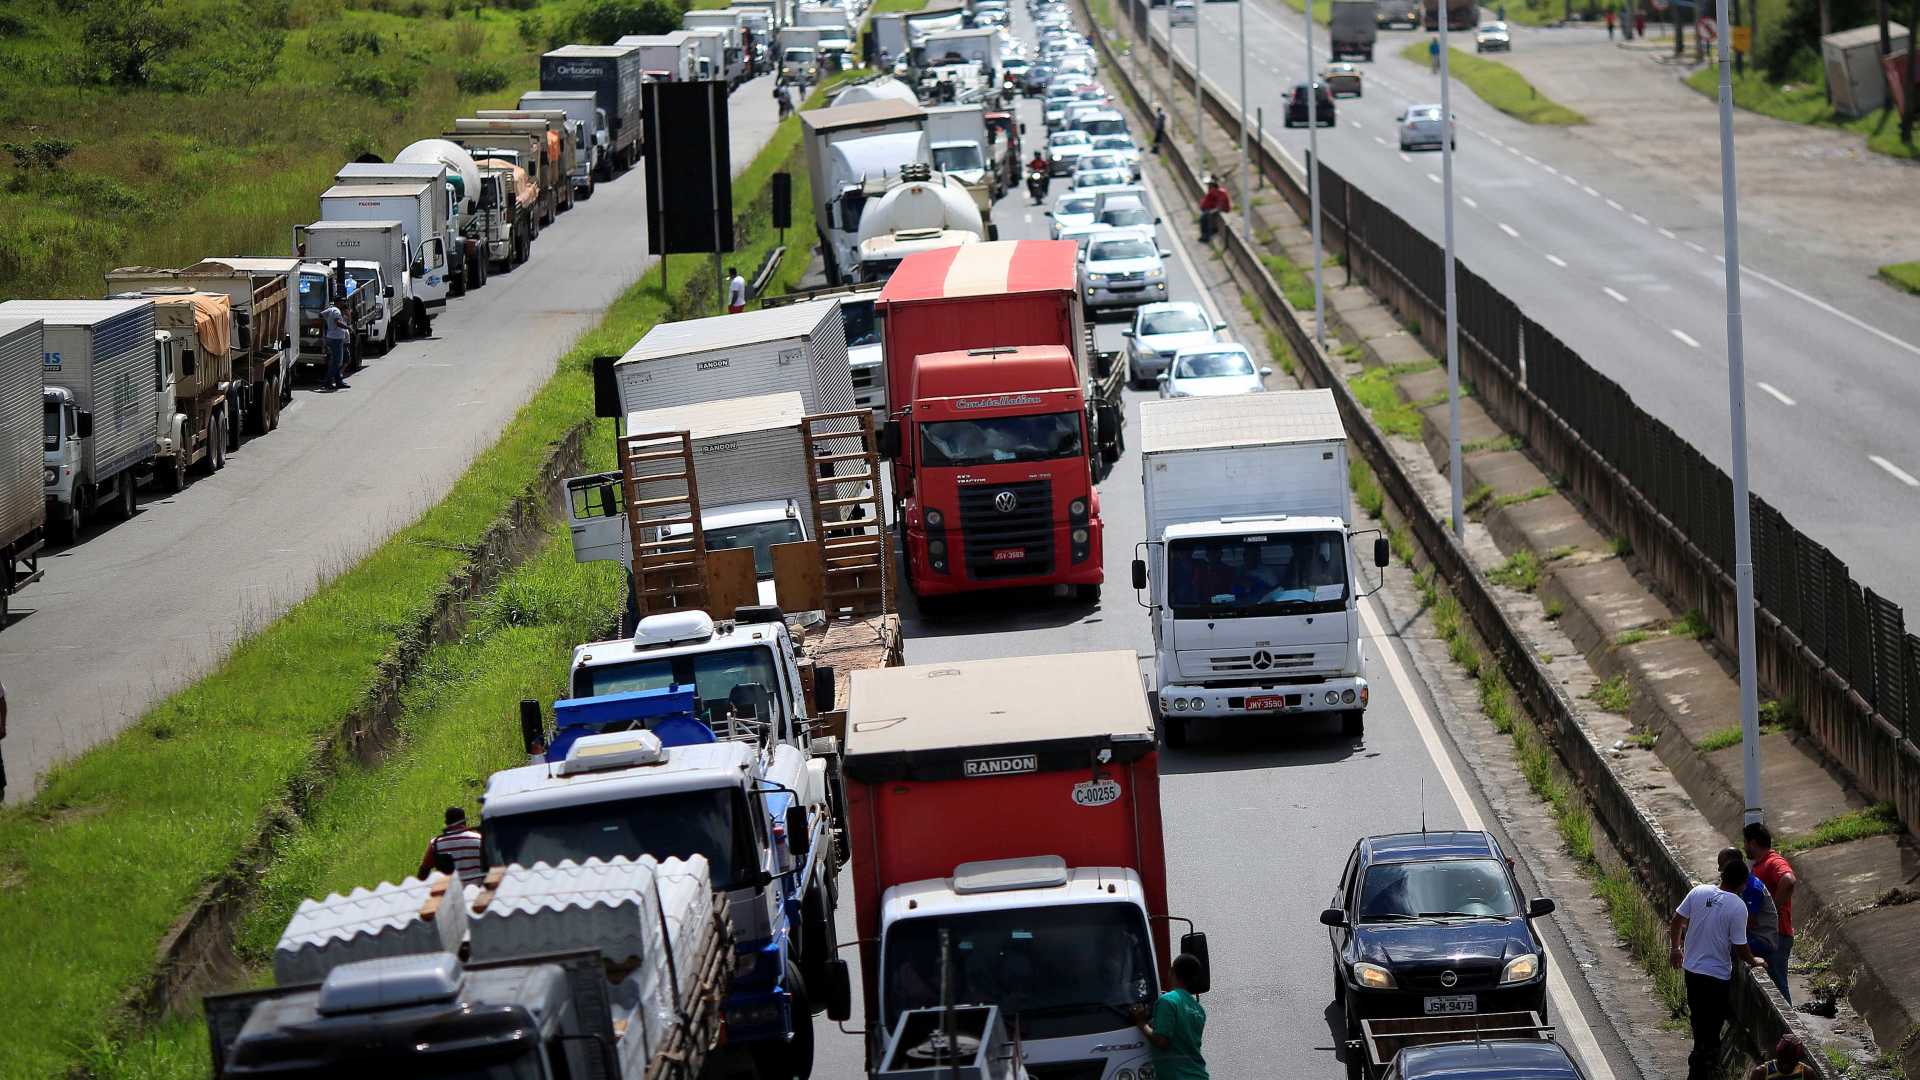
(1007,543)
(1469,977)
(1277,663)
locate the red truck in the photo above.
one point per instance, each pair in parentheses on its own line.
(1014,805)
(1002,406)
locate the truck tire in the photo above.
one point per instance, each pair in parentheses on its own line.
(422,322)
(66,528)
(818,943)
(793,1059)
(1353,723)
(217,445)
(174,477)
(125,499)
(272,401)
(236,425)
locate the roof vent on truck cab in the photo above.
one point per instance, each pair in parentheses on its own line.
(1003,875)
(391,981)
(613,750)
(672,628)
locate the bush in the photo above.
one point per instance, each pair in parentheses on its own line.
(469,37)
(602,22)
(390,85)
(350,42)
(482,78)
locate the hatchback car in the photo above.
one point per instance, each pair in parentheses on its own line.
(1064,148)
(1434,924)
(1035,81)
(1420,128)
(1493,37)
(1297,105)
(1072,210)
(1096,158)
(1343,80)
(1122,145)
(1183,13)
(1213,371)
(1161,330)
(1121,269)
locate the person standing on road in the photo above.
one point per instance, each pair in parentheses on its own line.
(1707,934)
(1776,874)
(337,330)
(1213,204)
(781,101)
(1159,126)
(1609,24)
(1174,1027)
(736,292)
(457,842)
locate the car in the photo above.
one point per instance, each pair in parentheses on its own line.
(1121,268)
(1159,331)
(1343,80)
(1080,234)
(1485,1059)
(1102,121)
(1388,14)
(1073,209)
(1420,128)
(1100,159)
(1493,37)
(1297,105)
(1064,148)
(1126,214)
(1034,82)
(1122,145)
(1218,370)
(1100,178)
(1182,13)
(1434,924)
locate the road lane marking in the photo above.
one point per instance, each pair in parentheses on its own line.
(1589,191)
(1685,339)
(1531,160)
(1566,1006)
(1468,199)
(1514,151)
(1570,180)
(1639,220)
(1495,141)
(1615,205)
(1510,230)
(1551,171)
(1775,393)
(1405,158)
(1696,247)
(1620,296)
(1435,177)
(1668,233)
(1355,123)
(1380,140)
(1895,471)
(1557,261)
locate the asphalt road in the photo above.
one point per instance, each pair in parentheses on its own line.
(1258,823)
(139,609)
(1626,267)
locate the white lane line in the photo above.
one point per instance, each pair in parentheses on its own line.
(1668,233)
(1557,261)
(1566,1006)
(1355,123)
(1551,171)
(1696,247)
(1531,160)
(1895,471)
(1468,199)
(1405,158)
(1615,205)
(1514,151)
(1570,180)
(1639,220)
(1510,230)
(1684,339)
(1494,140)
(1435,177)
(1589,191)
(1828,308)
(1775,393)
(1617,295)
(1376,138)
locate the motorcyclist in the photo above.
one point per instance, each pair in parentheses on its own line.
(1039,176)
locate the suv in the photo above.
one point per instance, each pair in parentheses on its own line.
(1297,105)
(1121,268)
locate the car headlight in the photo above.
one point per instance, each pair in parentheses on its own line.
(1157,272)
(1373,976)
(1521,968)
(935,518)
(1124,1074)
(1096,278)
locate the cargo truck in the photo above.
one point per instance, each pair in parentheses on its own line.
(1353,26)
(667,57)
(1461,15)
(865,355)
(710,56)
(465,267)
(852,153)
(836,42)
(23,503)
(933,19)
(613,969)
(1012,807)
(193,337)
(468,243)
(968,46)
(613,73)
(801,58)
(958,139)
(1000,406)
(563,145)
(1251,581)
(364,299)
(101,419)
(420,208)
(384,242)
(528,143)
(926,211)
(590,122)
(736,60)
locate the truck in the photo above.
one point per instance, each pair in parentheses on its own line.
(613,969)
(1461,15)
(925,211)
(526,144)
(736,58)
(836,42)
(563,146)
(466,267)
(962,148)
(509,213)
(263,293)
(802,60)
(194,340)
(965,46)
(710,56)
(101,425)
(426,233)
(865,355)
(889,31)
(590,124)
(356,287)
(612,73)
(1011,809)
(386,243)
(1353,27)
(1248,566)
(667,57)
(933,19)
(999,407)
(469,243)
(852,152)
(23,504)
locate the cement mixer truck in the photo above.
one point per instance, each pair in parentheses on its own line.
(925,211)
(463,177)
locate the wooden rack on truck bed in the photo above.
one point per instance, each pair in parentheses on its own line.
(669,569)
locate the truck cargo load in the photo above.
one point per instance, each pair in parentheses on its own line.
(1352,27)
(613,73)
(927,210)
(583,109)
(23,504)
(562,145)
(528,143)
(802,347)
(196,368)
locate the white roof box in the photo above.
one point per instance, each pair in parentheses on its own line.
(612,750)
(1002,875)
(387,920)
(672,628)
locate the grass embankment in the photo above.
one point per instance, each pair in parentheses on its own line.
(1322,9)
(99,865)
(1904,275)
(1805,102)
(1500,86)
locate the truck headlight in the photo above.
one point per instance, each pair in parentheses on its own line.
(1333,697)
(935,518)
(1179,704)
(1521,968)
(49,477)
(1079,536)
(1196,704)
(1346,697)
(1157,272)
(1373,976)
(1077,508)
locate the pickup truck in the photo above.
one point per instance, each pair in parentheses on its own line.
(361,302)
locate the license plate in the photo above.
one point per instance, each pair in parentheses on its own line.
(1451,1004)
(1268,701)
(1009,554)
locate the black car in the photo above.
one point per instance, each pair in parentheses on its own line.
(1434,924)
(1297,105)
(1036,79)
(1492,1059)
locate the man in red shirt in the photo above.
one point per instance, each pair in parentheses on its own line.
(1212,205)
(1776,874)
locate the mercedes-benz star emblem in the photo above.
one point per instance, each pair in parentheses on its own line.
(1448,978)
(1262,660)
(1005,502)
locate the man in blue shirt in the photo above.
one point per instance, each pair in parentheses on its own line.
(1174,1027)
(1763,919)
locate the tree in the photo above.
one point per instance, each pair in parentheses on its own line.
(128,37)
(607,21)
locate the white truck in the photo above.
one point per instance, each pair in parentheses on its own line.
(853,152)
(385,242)
(417,208)
(615,969)
(1249,570)
(836,31)
(736,65)
(710,56)
(801,58)
(926,211)
(99,363)
(957,138)
(591,156)
(23,503)
(466,264)
(665,57)
(970,46)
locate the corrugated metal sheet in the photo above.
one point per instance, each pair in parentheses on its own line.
(366,924)
(109,368)
(22,503)
(1281,416)
(801,347)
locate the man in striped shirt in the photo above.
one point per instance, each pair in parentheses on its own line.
(459,843)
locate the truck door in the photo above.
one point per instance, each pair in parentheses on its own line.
(597,519)
(433,282)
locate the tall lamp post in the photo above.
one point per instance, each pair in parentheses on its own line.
(1453,314)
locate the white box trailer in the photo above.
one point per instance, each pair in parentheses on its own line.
(711,57)
(452,209)
(384,242)
(800,347)
(669,56)
(583,109)
(23,502)
(1271,454)
(417,207)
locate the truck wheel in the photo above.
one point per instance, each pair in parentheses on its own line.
(237,426)
(818,942)
(457,284)
(422,323)
(1173,729)
(1353,723)
(217,445)
(124,498)
(793,1059)
(273,408)
(66,527)
(174,478)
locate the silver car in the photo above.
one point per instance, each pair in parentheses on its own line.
(1493,37)
(1064,148)
(1420,128)
(1099,178)
(1121,269)
(1123,146)
(1213,371)
(1073,209)
(1161,330)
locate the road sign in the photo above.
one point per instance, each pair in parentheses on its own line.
(1742,39)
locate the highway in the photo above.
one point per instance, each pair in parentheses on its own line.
(1625,265)
(139,609)
(1258,823)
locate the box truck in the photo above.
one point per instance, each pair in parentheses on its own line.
(957,138)
(736,58)
(465,267)
(420,208)
(801,347)
(590,122)
(563,145)
(612,72)
(852,153)
(382,242)
(1353,26)
(665,57)
(1251,581)
(23,503)
(194,337)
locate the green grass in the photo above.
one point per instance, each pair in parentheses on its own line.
(1497,443)
(1645,740)
(1904,276)
(1612,695)
(1876,820)
(1295,284)
(1277,346)
(1693,625)
(1366,487)
(1721,738)
(1322,9)
(1631,637)
(1620,546)
(1520,571)
(1517,497)
(169,803)
(1374,389)
(1805,102)
(1500,86)
(1554,609)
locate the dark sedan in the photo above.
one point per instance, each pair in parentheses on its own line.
(1036,80)
(1297,105)
(1434,924)
(1493,1059)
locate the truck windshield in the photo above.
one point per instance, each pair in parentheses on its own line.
(313,292)
(1302,573)
(957,158)
(857,317)
(51,426)
(1069,970)
(708,821)
(998,440)
(714,675)
(758,535)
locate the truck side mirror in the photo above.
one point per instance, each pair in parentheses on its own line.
(533,728)
(1139,574)
(889,440)
(388,292)
(799,838)
(1195,945)
(1127,333)
(823,688)
(83,425)
(1334,917)
(838,991)
(1382,552)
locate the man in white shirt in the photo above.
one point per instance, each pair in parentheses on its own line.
(736,292)
(1708,934)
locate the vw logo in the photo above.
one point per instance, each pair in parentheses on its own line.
(1262,660)
(1005,502)
(1448,978)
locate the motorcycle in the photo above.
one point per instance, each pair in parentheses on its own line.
(1037,182)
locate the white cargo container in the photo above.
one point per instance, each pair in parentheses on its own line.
(23,503)
(455,205)
(669,56)
(418,207)
(582,107)
(383,242)
(800,347)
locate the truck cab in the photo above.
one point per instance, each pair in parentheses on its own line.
(66,429)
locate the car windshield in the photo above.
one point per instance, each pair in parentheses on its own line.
(1441,887)
(1113,250)
(710,822)
(1213,365)
(1418,115)
(957,158)
(1075,204)
(1494,28)
(1113,142)
(1097,160)
(856,316)
(999,440)
(1177,321)
(1099,178)
(1223,576)
(1055,971)
(50,426)
(713,675)
(1125,216)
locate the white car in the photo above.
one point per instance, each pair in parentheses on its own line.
(1122,269)
(1099,178)
(1098,159)
(1125,213)
(1122,145)
(1213,371)
(1073,210)
(1104,122)
(1081,234)
(1161,330)
(1182,13)
(1064,149)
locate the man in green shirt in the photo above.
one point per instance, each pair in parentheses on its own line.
(1175,1025)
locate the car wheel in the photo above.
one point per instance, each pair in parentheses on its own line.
(1339,985)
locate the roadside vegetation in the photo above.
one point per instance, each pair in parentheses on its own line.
(1804,101)
(1499,86)
(1904,276)
(170,803)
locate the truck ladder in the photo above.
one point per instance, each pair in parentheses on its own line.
(856,550)
(669,572)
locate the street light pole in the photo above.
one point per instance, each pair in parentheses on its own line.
(1453,314)
(1737,411)
(1313,180)
(1246,190)
(1199,143)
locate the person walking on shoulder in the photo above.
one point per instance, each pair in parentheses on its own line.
(1433,55)
(1776,874)
(1175,1025)
(1159,126)
(1707,935)
(337,331)
(1609,24)
(736,292)
(458,842)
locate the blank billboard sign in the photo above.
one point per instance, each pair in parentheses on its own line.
(689,168)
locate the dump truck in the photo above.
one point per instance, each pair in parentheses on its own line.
(527,143)
(23,503)
(194,338)
(590,121)
(563,144)
(613,73)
